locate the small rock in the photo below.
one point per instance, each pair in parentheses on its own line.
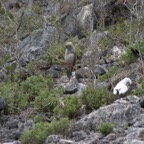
(83,72)
(102,84)
(99,70)
(117,52)
(71,88)
(12,123)
(57,67)
(55,71)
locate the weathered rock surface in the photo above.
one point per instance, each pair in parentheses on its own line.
(60,21)
(57,139)
(71,87)
(127,115)
(99,70)
(11,127)
(55,71)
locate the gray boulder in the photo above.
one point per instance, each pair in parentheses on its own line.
(55,71)
(12,127)
(99,70)
(83,73)
(71,87)
(121,112)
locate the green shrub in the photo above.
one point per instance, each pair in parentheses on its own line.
(55,54)
(36,90)
(39,118)
(117,33)
(94,98)
(46,100)
(16,101)
(37,135)
(59,127)
(35,84)
(128,57)
(106,128)
(70,109)
(139,91)
(42,130)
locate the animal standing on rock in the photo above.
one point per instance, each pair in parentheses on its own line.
(122,87)
(69,58)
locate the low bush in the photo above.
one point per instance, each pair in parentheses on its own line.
(13,96)
(55,54)
(42,130)
(129,57)
(35,90)
(94,98)
(46,100)
(70,109)
(139,91)
(106,128)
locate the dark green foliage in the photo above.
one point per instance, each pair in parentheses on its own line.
(46,100)
(129,57)
(37,135)
(14,98)
(94,98)
(42,130)
(35,84)
(55,54)
(106,128)
(36,90)
(117,34)
(139,91)
(70,109)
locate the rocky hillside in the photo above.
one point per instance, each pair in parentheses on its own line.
(39,104)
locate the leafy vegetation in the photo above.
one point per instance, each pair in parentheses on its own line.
(129,57)
(36,90)
(42,130)
(94,98)
(139,91)
(55,54)
(70,109)
(106,128)
(118,33)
